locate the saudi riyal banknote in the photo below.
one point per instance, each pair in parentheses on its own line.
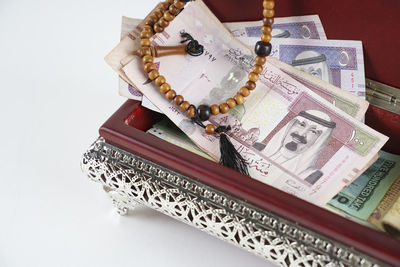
(338,62)
(290,137)
(128,44)
(362,196)
(299,27)
(129,28)
(349,103)
(309,27)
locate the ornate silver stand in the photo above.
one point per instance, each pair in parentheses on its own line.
(131,180)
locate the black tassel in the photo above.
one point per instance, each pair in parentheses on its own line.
(229,155)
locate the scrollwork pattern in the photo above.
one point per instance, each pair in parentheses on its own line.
(130,179)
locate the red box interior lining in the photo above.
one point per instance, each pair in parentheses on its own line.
(117,132)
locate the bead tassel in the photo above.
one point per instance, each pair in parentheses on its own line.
(229,155)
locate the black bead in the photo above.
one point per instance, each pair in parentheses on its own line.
(204,112)
(263,49)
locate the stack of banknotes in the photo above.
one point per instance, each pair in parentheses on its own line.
(300,130)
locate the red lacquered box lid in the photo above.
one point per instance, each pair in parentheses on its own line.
(373,22)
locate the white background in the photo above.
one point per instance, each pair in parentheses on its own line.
(56,91)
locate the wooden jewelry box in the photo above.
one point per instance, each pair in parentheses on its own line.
(135,167)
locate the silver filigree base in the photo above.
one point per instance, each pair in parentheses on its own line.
(131,180)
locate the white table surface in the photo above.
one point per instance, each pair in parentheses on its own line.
(56,91)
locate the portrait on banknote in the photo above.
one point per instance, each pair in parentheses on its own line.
(298,144)
(313,63)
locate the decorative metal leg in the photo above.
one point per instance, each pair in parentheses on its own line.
(120,203)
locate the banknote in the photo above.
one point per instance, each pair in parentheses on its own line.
(290,137)
(338,62)
(391,220)
(349,103)
(362,196)
(128,27)
(309,27)
(299,27)
(169,132)
(128,44)
(386,215)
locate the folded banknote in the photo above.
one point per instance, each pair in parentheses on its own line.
(296,27)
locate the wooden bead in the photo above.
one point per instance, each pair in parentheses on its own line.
(145,51)
(210,129)
(145,42)
(263,49)
(173,10)
(178,100)
(268,21)
(158,28)
(158,12)
(191,112)
(253,77)
(147,28)
(168,16)
(268,13)
(257,69)
(224,108)
(147,59)
(260,60)
(231,102)
(165,87)
(153,18)
(160,80)
(239,99)
(170,94)
(214,109)
(163,23)
(148,22)
(164,5)
(267,4)
(266,29)
(153,74)
(185,105)
(149,67)
(266,37)
(204,112)
(250,85)
(145,34)
(178,4)
(244,91)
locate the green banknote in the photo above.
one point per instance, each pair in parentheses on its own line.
(361,197)
(168,131)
